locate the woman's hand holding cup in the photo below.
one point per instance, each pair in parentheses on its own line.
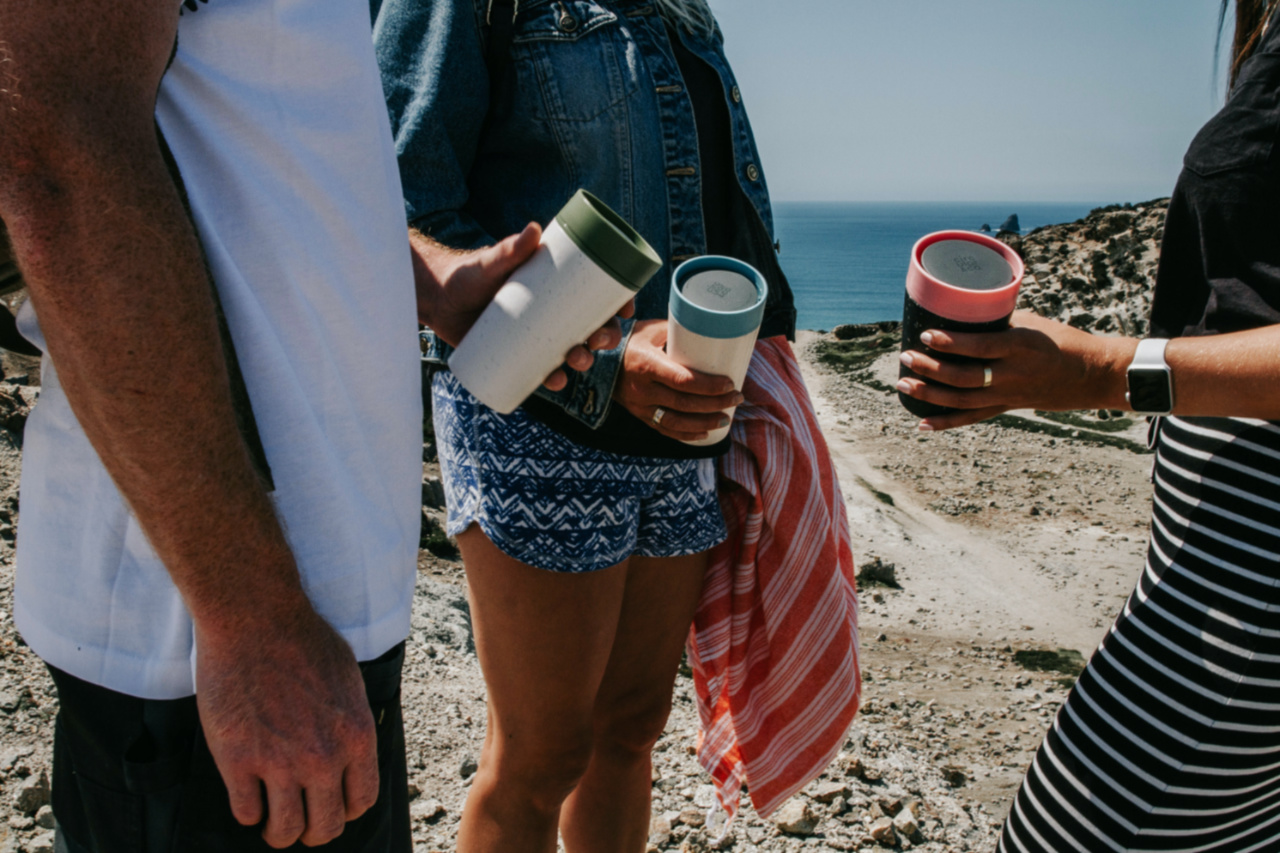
(692,403)
(1035,364)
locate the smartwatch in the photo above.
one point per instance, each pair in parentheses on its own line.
(1150,380)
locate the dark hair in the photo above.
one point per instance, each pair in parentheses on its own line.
(1251,23)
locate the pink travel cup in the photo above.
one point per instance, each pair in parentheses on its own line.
(958,281)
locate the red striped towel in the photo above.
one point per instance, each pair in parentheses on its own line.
(774,643)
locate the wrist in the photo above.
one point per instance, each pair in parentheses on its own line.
(425,256)
(1112,371)
(243,595)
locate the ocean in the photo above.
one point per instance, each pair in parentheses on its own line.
(847,261)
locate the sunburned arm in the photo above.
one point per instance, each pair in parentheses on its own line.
(117,279)
(1044,364)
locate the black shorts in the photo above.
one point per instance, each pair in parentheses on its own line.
(135,775)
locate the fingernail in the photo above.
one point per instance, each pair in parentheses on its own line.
(738,399)
(925,427)
(723,422)
(926,338)
(906,358)
(904,386)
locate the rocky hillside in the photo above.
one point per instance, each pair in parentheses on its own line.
(1095,273)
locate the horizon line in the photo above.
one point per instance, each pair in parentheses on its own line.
(1094,203)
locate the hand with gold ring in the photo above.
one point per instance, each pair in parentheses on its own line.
(672,399)
(1042,364)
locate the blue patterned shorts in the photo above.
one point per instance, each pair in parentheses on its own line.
(557,505)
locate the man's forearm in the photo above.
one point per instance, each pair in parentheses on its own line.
(118,282)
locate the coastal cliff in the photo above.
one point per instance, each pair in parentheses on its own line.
(1096,273)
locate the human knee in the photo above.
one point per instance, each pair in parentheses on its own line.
(546,771)
(634,724)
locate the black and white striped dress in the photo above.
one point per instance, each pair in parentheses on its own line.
(1170,740)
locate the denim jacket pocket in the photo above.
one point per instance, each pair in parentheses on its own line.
(574,54)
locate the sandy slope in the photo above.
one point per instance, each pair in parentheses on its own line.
(992,569)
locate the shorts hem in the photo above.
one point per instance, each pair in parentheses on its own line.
(499,542)
(709,542)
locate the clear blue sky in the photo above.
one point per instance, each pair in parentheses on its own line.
(958,100)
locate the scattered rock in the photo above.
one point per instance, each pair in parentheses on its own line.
(468,767)
(659,831)
(441,615)
(829,792)
(433,492)
(904,823)
(32,793)
(44,818)
(10,757)
(876,572)
(693,817)
(43,843)
(433,537)
(426,811)
(796,818)
(883,833)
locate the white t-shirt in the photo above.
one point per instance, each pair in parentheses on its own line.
(274,112)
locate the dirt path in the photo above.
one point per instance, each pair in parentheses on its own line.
(986,571)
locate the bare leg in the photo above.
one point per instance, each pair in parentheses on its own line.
(608,812)
(543,640)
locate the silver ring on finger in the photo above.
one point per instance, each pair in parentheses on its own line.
(986,377)
(658,414)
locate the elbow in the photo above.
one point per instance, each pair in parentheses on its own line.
(56,188)
(36,205)
(55,160)
(37,178)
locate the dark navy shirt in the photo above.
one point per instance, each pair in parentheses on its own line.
(1220,260)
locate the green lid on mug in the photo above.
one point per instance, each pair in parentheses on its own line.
(608,240)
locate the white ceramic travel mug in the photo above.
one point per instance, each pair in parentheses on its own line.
(715,311)
(589,264)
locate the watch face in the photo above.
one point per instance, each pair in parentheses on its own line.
(1149,390)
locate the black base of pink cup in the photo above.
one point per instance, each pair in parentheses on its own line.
(915,322)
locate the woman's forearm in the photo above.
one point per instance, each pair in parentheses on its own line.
(1044,364)
(1236,374)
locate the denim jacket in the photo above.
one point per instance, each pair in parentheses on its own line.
(592,97)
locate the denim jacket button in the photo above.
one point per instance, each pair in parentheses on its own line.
(752,172)
(567,23)
(736,94)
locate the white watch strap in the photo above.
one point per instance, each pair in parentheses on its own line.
(1150,353)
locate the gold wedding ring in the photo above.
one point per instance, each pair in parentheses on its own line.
(658,414)
(986,377)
